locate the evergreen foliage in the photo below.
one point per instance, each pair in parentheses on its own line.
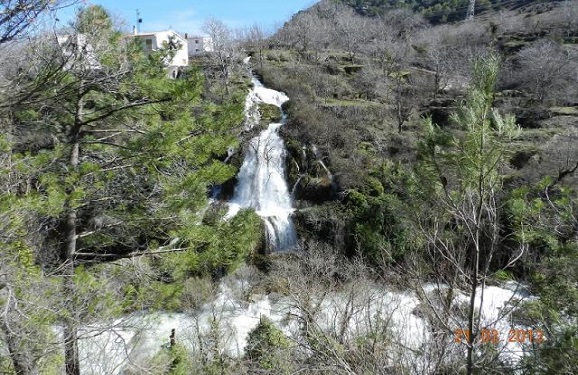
(112,159)
(268,348)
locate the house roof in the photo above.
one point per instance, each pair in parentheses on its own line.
(155,33)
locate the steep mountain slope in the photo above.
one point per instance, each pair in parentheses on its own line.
(374,178)
(362,86)
(436,11)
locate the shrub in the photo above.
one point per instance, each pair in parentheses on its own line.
(268,348)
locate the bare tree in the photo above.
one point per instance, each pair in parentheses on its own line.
(570,13)
(254,39)
(350,31)
(349,322)
(306,32)
(20,16)
(440,58)
(404,98)
(547,70)
(223,54)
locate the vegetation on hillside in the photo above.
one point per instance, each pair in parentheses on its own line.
(435,11)
(388,104)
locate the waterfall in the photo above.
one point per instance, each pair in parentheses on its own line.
(261,180)
(320,161)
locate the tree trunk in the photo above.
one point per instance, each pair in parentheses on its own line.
(70,324)
(72,364)
(472,327)
(19,352)
(399,104)
(71,357)
(70,333)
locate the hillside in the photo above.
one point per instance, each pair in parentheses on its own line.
(375,79)
(438,11)
(366,167)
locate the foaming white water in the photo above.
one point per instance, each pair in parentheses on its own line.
(260,94)
(497,304)
(131,342)
(261,180)
(346,315)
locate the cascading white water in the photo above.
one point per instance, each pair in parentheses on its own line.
(131,342)
(261,180)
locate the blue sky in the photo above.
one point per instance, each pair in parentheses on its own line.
(189,15)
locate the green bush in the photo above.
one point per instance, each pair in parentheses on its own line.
(268,348)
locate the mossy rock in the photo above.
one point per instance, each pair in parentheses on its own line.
(531,118)
(512,46)
(269,113)
(350,69)
(317,190)
(326,221)
(214,213)
(570,39)
(294,162)
(292,171)
(440,110)
(294,149)
(333,68)
(521,157)
(564,111)
(272,57)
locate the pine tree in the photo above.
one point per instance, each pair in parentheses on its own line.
(114,160)
(458,202)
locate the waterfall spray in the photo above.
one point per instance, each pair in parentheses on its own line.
(261,181)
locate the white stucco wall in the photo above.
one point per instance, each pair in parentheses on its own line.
(160,38)
(199,44)
(181,58)
(78,50)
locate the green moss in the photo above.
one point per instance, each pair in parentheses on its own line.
(374,187)
(564,111)
(503,275)
(355,199)
(269,113)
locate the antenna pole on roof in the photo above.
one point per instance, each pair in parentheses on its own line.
(138,21)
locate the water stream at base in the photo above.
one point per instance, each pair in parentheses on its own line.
(131,342)
(261,180)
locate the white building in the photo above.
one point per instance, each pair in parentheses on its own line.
(78,51)
(199,44)
(167,39)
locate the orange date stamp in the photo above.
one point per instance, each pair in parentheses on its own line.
(492,336)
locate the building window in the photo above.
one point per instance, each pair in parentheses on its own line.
(196,41)
(149,44)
